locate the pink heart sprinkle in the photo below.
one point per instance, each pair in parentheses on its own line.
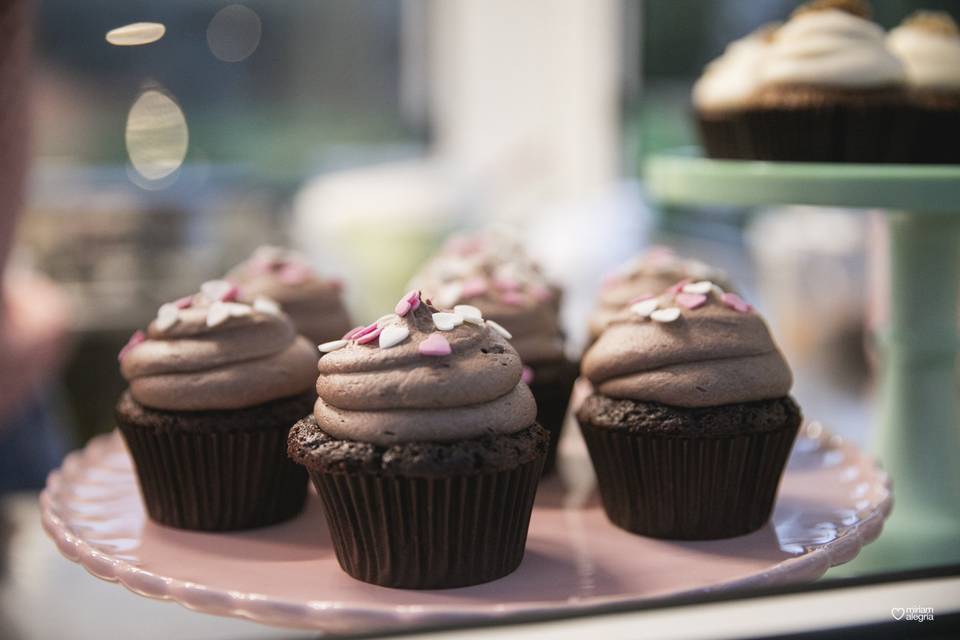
(735,302)
(646,296)
(506,284)
(407,303)
(676,288)
(231,294)
(691,300)
(435,345)
(514,298)
(370,336)
(137,337)
(526,374)
(414,299)
(183,303)
(350,335)
(474,287)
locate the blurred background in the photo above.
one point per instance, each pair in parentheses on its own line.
(364,132)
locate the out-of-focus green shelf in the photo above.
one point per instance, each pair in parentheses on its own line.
(683,176)
(918,438)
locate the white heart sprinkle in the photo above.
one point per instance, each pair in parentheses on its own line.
(703,287)
(393,335)
(238,309)
(496,326)
(215,289)
(383,321)
(469,313)
(449,294)
(645,307)
(217,314)
(666,315)
(333,345)
(264,304)
(444,321)
(167,316)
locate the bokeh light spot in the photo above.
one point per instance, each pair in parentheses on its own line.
(138,33)
(234,33)
(156,135)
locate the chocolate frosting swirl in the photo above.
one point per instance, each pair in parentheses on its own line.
(314,304)
(647,274)
(695,350)
(406,392)
(250,355)
(492,272)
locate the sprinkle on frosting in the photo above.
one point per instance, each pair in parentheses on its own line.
(422,383)
(135,339)
(264,304)
(435,345)
(446,321)
(527,375)
(217,352)
(313,303)
(491,271)
(333,345)
(633,284)
(692,350)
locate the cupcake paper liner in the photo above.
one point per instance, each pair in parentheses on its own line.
(722,137)
(429,533)
(828,133)
(695,488)
(553,396)
(935,137)
(216,481)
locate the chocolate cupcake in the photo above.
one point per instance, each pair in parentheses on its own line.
(424,449)
(491,271)
(725,90)
(644,276)
(830,90)
(215,383)
(690,424)
(314,304)
(928,43)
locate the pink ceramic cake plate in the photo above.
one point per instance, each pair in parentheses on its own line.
(833,500)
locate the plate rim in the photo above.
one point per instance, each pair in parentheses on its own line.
(338,616)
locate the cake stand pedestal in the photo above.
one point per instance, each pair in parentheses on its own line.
(918,439)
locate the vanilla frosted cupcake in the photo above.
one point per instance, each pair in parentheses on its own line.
(645,276)
(830,90)
(215,383)
(314,304)
(424,448)
(691,422)
(928,43)
(491,271)
(725,90)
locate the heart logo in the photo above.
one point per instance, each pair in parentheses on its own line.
(897,613)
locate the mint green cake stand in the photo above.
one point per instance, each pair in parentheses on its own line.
(918,438)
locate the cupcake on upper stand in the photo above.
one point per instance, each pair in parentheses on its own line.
(492,271)
(215,383)
(928,43)
(424,448)
(313,303)
(725,90)
(690,424)
(830,90)
(642,276)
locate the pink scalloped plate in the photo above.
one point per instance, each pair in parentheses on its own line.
(832,501)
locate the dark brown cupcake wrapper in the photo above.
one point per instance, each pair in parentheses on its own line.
(723,137)
(216,481)
(429,533)
(552,398)
(688,488)
(935,135)
(827,133)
